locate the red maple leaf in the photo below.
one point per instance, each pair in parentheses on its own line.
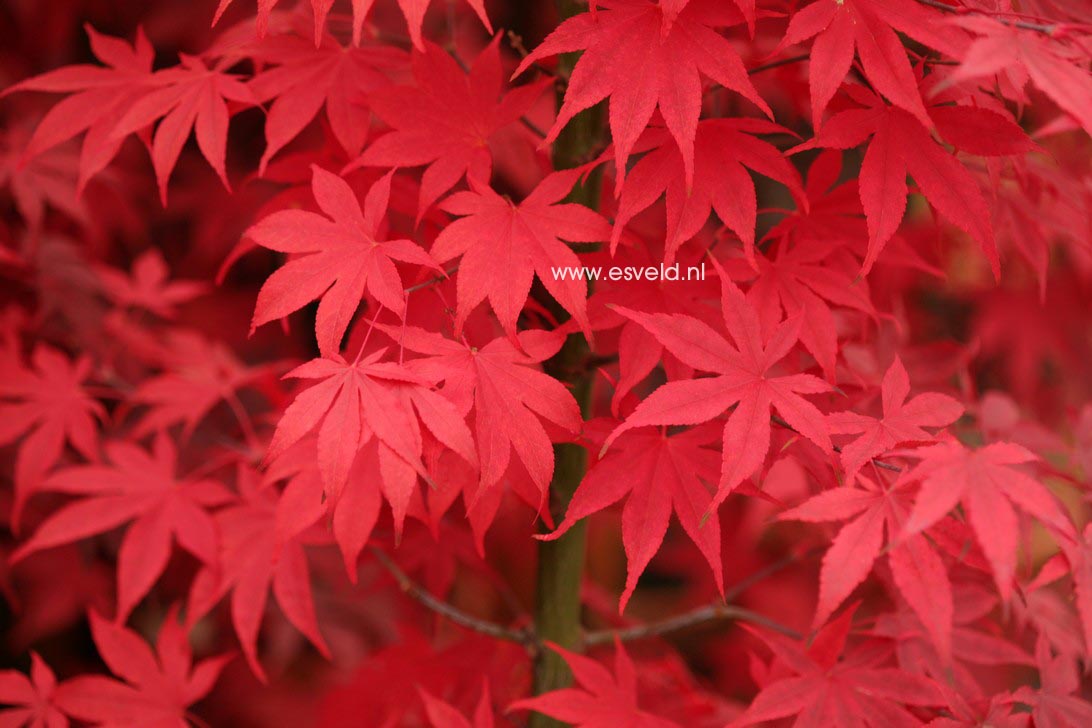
(142,488)
(602,699)
(868,512)
(99,97)
(46,179)
(190,95)
(870,26)
(262,539)
(155,688)
(32,699)
(200,374)
(656,474)
(1075,560)
(820,686)
(306,78)
(805,280)
(364,401)
(833,215)
(1020,55)
(901,144)
(988,486)
(971,645)
(724,150)
(638,351)
(341,255)
(445,119)
(643,56)
(504,246)
(46,407)
(508,394)
(742,379)
(147,287)
(902,420)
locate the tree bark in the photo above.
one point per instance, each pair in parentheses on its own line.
(561,562)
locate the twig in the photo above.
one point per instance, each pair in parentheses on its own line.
(1045,28)
(524,637)
(431,281)
(714,612)
(695,618)
(778,64)
(532,127)
(766,572)
(878,463)
(192,717)
(516,41)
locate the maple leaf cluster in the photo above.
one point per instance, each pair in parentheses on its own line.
(298,367)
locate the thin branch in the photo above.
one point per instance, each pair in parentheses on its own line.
(778,64)
(878,463)
(451,613)
(532,127)
(731,594)
(695,618)
(516,41)
(713,612)
(1045,28)
(192,717)
(432,281)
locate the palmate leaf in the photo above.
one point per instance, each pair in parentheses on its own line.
(658,476)
(504,246)
(44,407)
(342,255)
(446,119)
(990,488)
(154,688)
(99,96)
(304,79)
(601,699)
(141,489)
(902,420)
(643,56)
(825,683)
(189,96)
(741,380)
(376,403)
(902,145)
(870,27)
(262,538)
(509,397)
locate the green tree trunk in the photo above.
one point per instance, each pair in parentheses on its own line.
(561,562)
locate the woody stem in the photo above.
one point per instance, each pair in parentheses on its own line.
(561,562)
